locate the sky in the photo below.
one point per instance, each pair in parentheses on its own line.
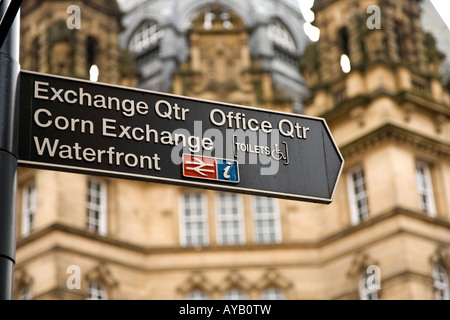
(443,7)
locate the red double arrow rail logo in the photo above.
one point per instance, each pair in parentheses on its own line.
(200,167)
(210,168)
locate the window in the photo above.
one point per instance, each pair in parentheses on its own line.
(235,294)
(96,291)
(283,43)
(96,206)
(359,209)
(272,294)
(194,220)
(25,293)
(230,220)
(367,291)
(441,285)
(400,39)
(210,17)
(91,58)
(146,36)
(266,222)
(280,35)
(344,40)
(197,295)
(36,53)
(28,207)
(425,188)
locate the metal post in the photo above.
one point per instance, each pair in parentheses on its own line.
(9,86)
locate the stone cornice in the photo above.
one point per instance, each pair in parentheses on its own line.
(401,97)
(319,244)
(424,101)
(391,132)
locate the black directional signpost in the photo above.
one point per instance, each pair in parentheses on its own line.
(85,127)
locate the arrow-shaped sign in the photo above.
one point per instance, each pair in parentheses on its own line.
(80,126)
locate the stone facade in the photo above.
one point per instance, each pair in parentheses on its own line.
(389,116)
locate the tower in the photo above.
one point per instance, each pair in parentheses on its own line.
(388,224)
(374,76)
(68,38)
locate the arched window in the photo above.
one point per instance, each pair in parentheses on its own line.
(441,284)
(96,292)
(235,294)
(266,220)
(217,14)
(230,219)
(400,39)
(344,38)
(344,41)
(280,35)
(91,58)
(357,193)
(272,294)
(197,295)
(146,36)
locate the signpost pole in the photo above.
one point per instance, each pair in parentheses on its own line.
(9,74)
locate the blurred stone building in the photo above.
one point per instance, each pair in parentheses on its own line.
(386,235)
